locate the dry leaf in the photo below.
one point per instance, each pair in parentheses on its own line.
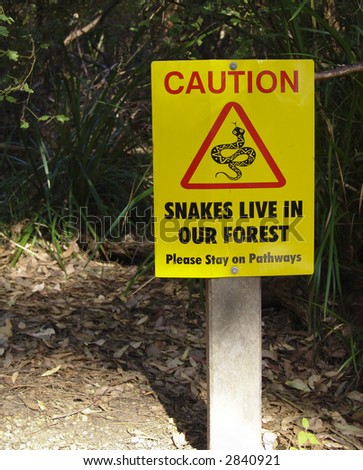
(6,331)
(69,269)
(31,404)
(355,396)
(51,371)
(269,440)
(179,440)
(192,362)
(44,333)
(298,384)
(38,287)
(185,354)
(41,405)
(312,380)
(270,355)
(73,248)
(142,320)
(358,415)
(349,429)
(119,353)
(8,360)
(316,425)
(88,411)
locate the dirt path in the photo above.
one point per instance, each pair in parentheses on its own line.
(84,367)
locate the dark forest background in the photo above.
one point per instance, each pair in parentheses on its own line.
(75,122)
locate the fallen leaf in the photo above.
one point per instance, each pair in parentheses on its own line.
(119,353)
(355,396)
(192,362)
(6,331)
(349,429)
(358,415)
(312,380)
(31,404)
(185,354)
(51,371)
(38,287)
(286,346)
(8,360)
(316,425)
(88,411)
(41,405)
(142,320)
(298,384)
(43,333)
(73,248)
(331,373)
(69,269)
(179,440)
(269,440)
(270,355)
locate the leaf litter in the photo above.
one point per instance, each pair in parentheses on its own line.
(84,367)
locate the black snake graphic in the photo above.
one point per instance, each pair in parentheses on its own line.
(234,165)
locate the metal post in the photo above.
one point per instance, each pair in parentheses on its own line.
(234,363)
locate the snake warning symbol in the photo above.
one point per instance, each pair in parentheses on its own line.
(233,156)
(231,161)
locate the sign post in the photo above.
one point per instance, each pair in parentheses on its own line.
(234,363)
(233,200)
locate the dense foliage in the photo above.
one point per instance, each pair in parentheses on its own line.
(76,118)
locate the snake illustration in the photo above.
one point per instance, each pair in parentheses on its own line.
(231,161)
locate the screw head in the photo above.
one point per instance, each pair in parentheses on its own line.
(234,270)
(233,65)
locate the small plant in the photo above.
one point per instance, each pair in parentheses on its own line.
(304,437)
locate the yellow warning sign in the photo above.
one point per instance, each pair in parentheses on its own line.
(233,153)
(234,156)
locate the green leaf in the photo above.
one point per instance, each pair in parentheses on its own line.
(45,117)
(25,87)
(13,55)
(298,10)
(62,118)
(302,438)
(7,19)
(4,31)
(313,439)
(10,99)
(24,124)
(305,423)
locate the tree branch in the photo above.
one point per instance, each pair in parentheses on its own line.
(339,71)
(86,29)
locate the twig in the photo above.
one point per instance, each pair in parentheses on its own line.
(142,286)
(86,29)
(75,412)
(339,71)
(38,257)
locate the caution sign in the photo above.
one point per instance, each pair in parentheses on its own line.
(241,156)
(233,154)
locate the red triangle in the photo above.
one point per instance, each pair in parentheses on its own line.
(185,182)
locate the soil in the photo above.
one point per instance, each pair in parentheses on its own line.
(90,361)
